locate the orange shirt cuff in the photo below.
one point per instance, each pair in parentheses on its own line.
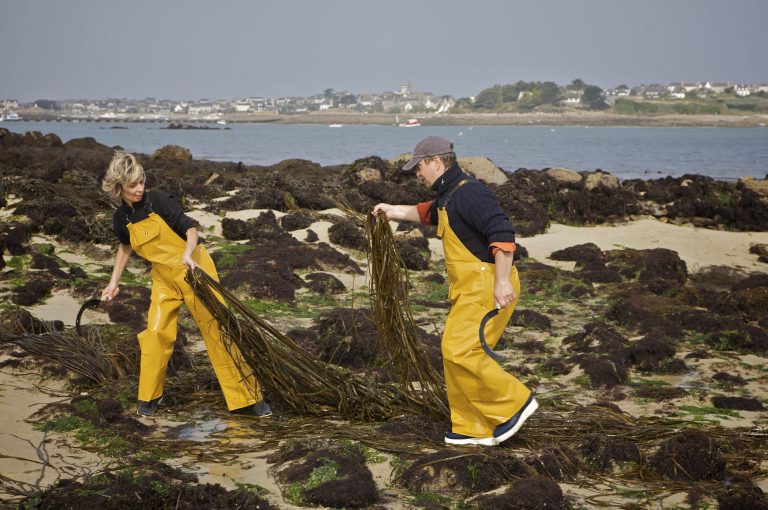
(424,216)
(509,247)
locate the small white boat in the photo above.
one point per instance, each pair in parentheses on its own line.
(223,122)
(410,123)
(335,125)
(10,116)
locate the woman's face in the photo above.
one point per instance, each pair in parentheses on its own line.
(133,191)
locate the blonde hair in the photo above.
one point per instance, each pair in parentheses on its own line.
(123,169)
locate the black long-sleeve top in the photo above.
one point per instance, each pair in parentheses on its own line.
(474,214)
(155,201)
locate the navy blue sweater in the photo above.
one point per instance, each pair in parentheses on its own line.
(474,213)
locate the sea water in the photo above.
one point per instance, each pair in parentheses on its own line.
(626,152)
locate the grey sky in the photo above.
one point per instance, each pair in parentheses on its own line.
(237,48)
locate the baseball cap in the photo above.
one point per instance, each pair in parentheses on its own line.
(430,146)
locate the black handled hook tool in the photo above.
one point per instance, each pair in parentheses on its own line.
(91,303)
(488,316)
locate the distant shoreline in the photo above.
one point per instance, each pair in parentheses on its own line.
(584,118)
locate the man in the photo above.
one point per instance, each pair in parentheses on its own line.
(488,405)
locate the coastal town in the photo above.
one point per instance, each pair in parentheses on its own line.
(715,98)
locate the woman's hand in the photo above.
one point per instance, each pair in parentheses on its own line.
(110,292)
(187,260)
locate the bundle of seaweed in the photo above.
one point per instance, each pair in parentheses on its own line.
(85,355)
(389,284)
(287,371)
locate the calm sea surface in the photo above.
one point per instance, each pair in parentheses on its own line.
(721,153)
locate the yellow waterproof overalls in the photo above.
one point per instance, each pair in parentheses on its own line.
(480,393)
(155,241)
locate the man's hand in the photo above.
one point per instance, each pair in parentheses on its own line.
(503,293)
(386,209)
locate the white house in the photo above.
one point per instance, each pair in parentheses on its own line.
(572,97)
(717,87)
(742,90)
(677,93)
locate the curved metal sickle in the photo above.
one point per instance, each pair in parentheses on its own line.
(487,348)
(91,303)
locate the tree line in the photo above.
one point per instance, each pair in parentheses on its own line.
(529,95)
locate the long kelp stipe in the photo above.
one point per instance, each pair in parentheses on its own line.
(291,374)
(389,285)
(83,353)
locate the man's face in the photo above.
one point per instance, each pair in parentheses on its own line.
(428,170)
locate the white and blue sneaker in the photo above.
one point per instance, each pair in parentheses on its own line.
(510,427)
(453,438)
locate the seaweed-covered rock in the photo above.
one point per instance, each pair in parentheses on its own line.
(295,221)
(597,337)
(558,462)
(738,403)
(346,233)
(324,283)
(606,452)
(604,371)
(534,493)
(648,353)
(330,475)
(172,152)
(531,319)
(445,471)
(347,337)
(689,456)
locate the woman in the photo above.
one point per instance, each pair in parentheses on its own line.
(153,224)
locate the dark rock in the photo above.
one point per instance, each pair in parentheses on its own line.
(109,409)
(659,393)
(728,379)
(346,233)
(555,366)
(235,229)
(172,152)
(311,236)
(351,487)
(32,292)
(658,264)
(530,319)
(761,250)
(296,221)
(558,462)
(689,456)
(532,493)
(347,337)
(738,403)
(648,353)
(445,471)
(603,452)
(604,371)
(324,283)
(581,254)
(597,337)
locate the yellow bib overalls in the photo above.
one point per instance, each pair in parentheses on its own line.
(153,240)
(480,393)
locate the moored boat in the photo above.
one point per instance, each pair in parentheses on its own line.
(408,123)
(10,116)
